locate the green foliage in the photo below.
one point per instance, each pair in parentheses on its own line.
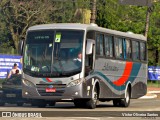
(69,11)
(132,18)
(152,83)
(121,17)
(154,36)
(5,39)
(17,15)
(154,32)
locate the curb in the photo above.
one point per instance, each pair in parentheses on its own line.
(154,92)
(149,97)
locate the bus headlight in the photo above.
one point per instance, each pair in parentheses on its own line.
(74,83)
(28,83)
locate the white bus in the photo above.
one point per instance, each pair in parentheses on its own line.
(84,64)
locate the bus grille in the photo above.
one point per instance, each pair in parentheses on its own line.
(60,88)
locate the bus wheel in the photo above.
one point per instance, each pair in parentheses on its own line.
(51,103)
(126,101)
(79,103)
(20,104)
(117,103)
(2,103)
(39,103)
(42,105)
(93,101)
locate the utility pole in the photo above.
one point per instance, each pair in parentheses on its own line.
(93,11)
(147,21)
(147,3)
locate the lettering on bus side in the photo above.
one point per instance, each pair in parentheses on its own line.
(108,67)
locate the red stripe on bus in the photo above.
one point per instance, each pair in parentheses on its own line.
(48,80)
(126,74)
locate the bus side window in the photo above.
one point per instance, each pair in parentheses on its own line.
(135,46)
(99,45)
(128,49)
(143,51)
(118,48)
(108,46)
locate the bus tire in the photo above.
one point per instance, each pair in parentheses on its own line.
(2,103)
(20,104)
(117,102)
(91,103)
(51,103)
(126,101)
(42,105)
(39,103)
(33,104)
(79,103)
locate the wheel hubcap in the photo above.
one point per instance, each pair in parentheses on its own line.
(95,97)
(127,97)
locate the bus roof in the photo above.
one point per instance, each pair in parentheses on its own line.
(79,26)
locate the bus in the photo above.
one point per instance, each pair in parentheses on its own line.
(112,67)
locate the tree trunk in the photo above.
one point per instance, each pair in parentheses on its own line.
(15,37)
(93,11)
(157,57)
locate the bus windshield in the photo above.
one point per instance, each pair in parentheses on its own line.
(53,53)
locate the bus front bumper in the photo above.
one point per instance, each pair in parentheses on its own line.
(68,93)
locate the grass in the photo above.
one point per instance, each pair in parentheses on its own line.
(1,80)
(151,83)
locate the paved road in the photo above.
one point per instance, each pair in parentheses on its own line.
(135,105)
(103,111)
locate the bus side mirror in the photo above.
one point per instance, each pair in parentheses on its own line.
(89,46)
(20,47)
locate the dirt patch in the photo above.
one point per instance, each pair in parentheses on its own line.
(153,88)
(158,95)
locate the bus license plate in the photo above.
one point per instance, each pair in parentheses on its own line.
(10,95)
(50,89)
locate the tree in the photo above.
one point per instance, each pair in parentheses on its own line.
(5,42)
(154,36)
(69,11)
(121,17)
(18,15)
(132,18)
